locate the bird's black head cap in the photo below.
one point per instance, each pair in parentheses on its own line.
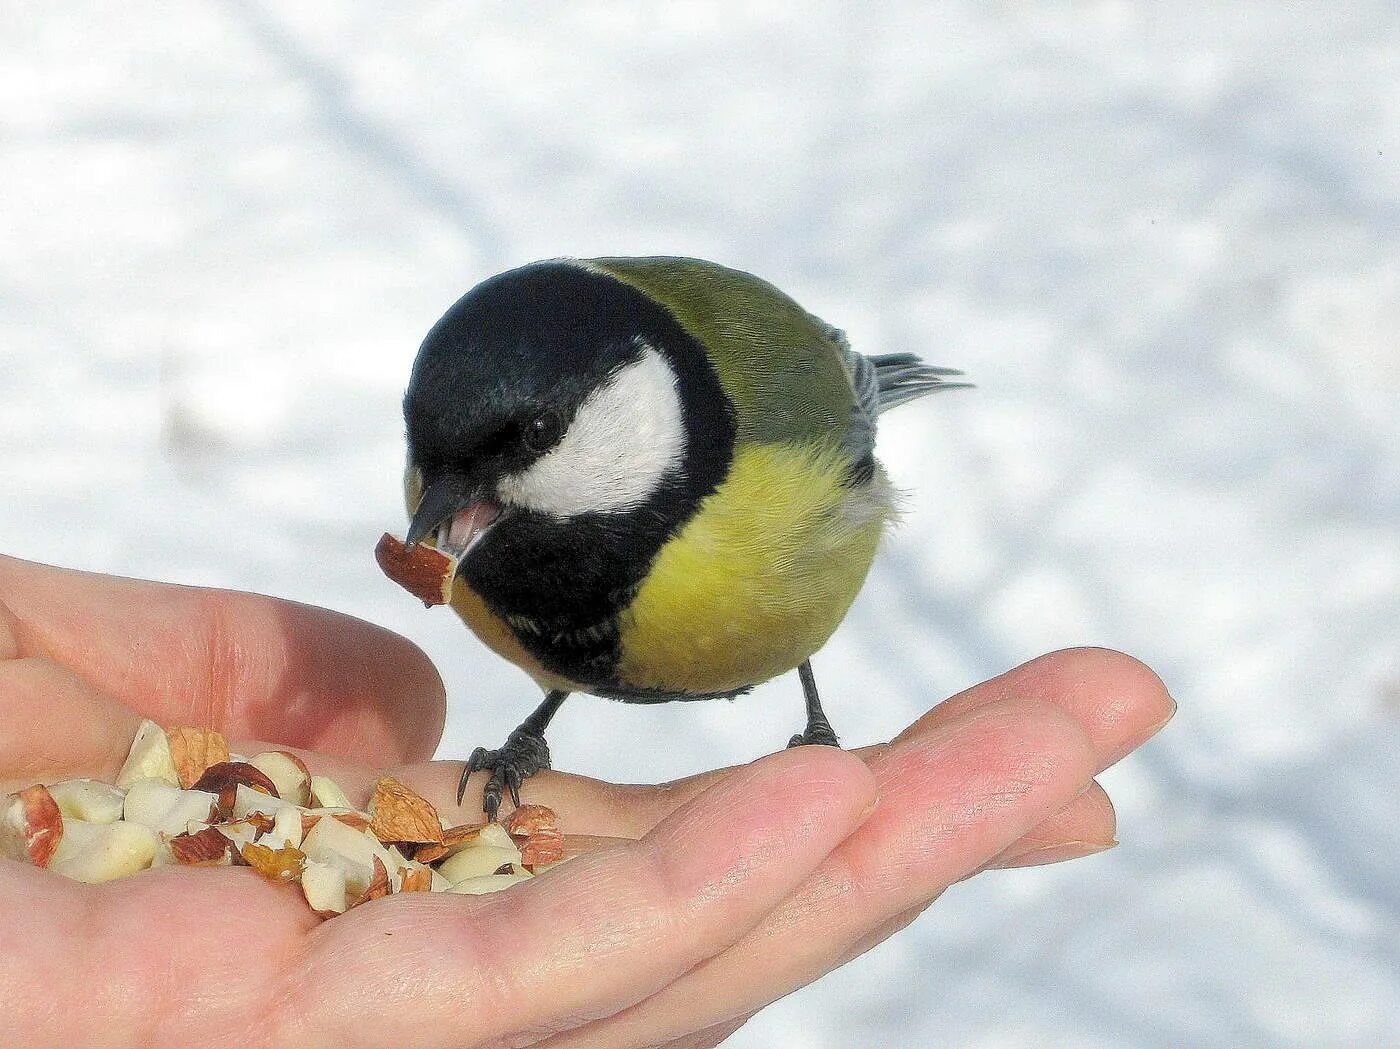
(500,375)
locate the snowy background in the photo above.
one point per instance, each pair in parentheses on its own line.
(1164,239)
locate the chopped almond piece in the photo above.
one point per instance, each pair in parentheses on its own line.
(324,887)
(529,819)
(417,878)
(331,841)
(545,846)
(288,774)
(149,758)
(326,794)
(31,826)
(400,814)
(165,808)
(88,800)
(425,572)
(205,848)
(378,886)
(487,883)
(193,750)
(478,860)
(223,779)
(98,852)
(350,817)
(286,828)
(244,831)
(247,800)
(454,839)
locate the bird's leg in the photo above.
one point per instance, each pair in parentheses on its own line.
(525,752)
(818,728)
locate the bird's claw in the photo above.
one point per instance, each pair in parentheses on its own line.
(521,757)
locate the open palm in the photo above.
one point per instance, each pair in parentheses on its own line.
(742,884)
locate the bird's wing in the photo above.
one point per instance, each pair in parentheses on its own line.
(865,382)
(790,375)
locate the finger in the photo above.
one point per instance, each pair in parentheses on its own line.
(1084,827)
(1118,701)
(79,731)
(249,665)
(590,937)
(96,731)
(1087,825)
(951,800)
(709,1037)
(181,953)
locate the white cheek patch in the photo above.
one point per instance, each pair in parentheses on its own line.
(625,439)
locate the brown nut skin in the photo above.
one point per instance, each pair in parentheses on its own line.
(223,779)
(530,819)
(194,750)
(32,826)
(452,837)
(416,879)
(378,886)
(424,571)
(352,818)
(547,846)
(206,848)
(400,814)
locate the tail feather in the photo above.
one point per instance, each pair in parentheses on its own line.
(903,377)
(882,381)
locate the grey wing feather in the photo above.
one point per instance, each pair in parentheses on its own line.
(882,382)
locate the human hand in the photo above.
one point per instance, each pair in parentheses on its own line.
(742,885)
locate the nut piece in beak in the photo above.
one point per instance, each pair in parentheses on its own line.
(424,572)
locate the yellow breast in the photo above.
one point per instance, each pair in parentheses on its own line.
(759,578)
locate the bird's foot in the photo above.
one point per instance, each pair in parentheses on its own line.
(818,733)
(523,754)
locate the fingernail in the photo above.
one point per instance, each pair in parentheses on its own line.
(1056,853)
(1163,723)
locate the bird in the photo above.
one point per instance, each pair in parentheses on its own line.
(656,477)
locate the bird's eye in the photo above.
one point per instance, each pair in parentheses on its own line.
(542,432)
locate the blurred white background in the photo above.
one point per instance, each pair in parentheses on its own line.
(1164,240)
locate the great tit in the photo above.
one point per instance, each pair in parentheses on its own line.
(659,477)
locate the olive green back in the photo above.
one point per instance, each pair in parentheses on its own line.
(774,359)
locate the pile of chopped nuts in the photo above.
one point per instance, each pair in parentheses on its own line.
(182,798)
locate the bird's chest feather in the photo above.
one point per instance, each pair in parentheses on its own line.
(759,578)
(753,583)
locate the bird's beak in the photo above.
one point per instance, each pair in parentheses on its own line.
(458,509)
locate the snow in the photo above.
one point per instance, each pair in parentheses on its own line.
(1162,238)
